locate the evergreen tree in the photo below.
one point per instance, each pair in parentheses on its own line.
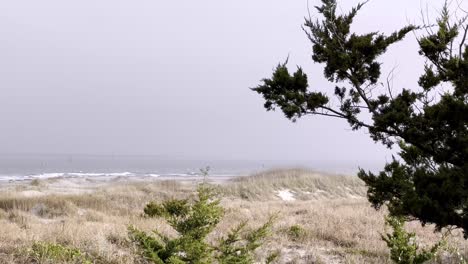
(194,221)
(429,181)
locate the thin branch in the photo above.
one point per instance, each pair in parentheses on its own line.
(426,20)
(460,8)
(334,111)
(390,79)
(324,114)
(462,43)
(417,107)
(361,93)
(341,115)
(360,106)
(308,11)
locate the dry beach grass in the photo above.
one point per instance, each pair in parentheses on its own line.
(328,220)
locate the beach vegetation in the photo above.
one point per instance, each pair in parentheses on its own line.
(194,221)
(44,252)
(403,245)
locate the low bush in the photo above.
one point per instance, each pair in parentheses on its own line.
(42,252)
(403,246)
(193,221)
(296,233)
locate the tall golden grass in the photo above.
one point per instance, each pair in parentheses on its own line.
(307,184)
(336,223)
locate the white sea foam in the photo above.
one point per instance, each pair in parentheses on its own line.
(104,175)
(50,175)
(178,175)
(6,178)
(82,174)
(46,175)
(120,174)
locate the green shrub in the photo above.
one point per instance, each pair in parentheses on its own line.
(239,248)
(193,221)
(403,246)
(296,232)
(43,252)
(36,182)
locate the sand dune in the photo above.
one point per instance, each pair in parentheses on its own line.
(338,225)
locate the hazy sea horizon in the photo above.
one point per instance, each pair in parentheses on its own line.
(18,167)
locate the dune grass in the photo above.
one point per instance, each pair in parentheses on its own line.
(329,222)
(305,183)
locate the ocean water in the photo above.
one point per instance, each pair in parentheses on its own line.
(27,167)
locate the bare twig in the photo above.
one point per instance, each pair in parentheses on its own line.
(390,79)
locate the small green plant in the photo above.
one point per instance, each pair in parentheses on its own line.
(272,257)
(193,221)
(36,182)
(204,173)
(296,232)
(239,248)
(43,252)
(403,246)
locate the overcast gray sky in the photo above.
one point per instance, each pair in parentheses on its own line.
(172,78)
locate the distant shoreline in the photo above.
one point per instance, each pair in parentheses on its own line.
(108,177)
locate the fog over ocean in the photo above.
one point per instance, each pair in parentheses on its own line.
(20,167)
